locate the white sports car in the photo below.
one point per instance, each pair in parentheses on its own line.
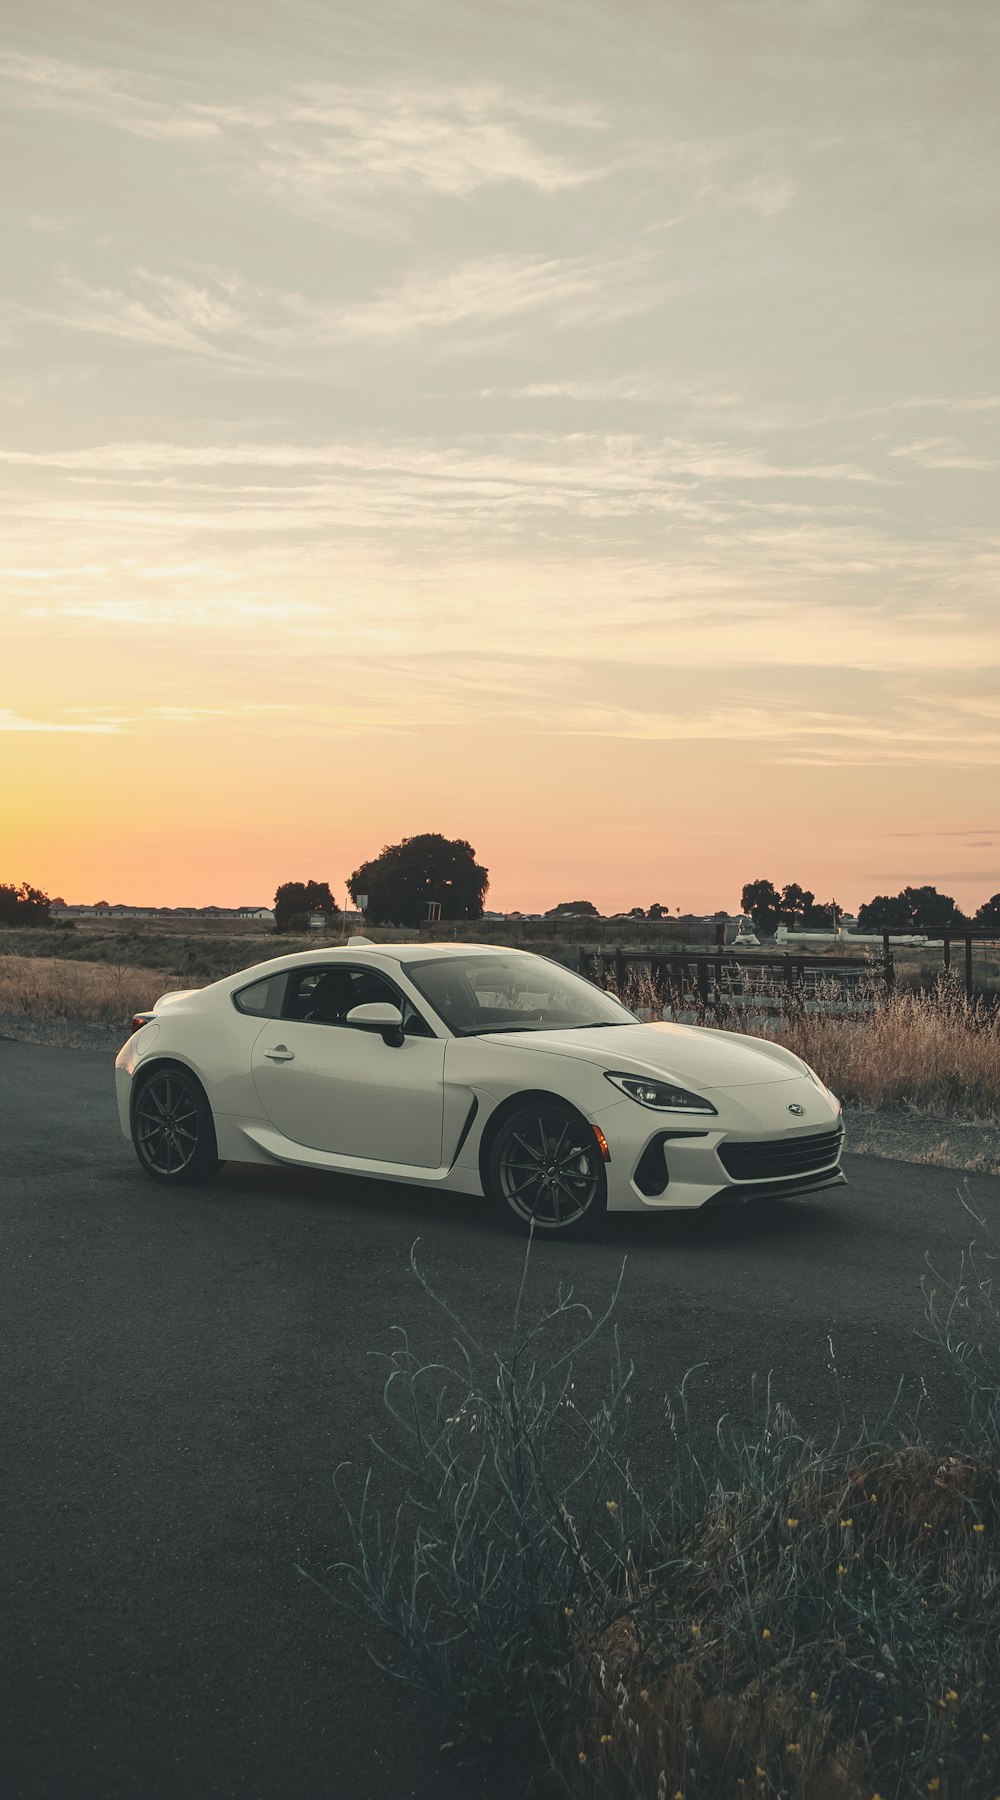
(479,1069)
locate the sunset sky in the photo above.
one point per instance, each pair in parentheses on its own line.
(570,427)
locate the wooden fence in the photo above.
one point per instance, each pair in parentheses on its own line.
(727,980)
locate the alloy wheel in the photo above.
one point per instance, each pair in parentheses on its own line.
(167,1126)
(548,1175)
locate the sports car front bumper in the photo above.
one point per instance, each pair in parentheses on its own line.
(746,1152)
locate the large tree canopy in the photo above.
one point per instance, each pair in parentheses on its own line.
(572,906)
(295,900)
(763,902)
(989,913)
(913,909)
(794,906)
(24,905)
(404,877)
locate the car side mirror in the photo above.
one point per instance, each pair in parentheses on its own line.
(379,1015)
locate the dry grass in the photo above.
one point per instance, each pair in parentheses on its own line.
(820,1638)
(100,993)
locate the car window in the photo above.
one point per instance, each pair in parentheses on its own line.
(262,999)
(513,992)
(325,996)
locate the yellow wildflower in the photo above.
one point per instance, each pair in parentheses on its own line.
(873,1498)
(813,1695)
(581,1756)
(951,1694)
(696,1631)
(846,1524)
(605,1737)
(979,1528)
(568,1610)
(612,1506)
(841,1569)
(933,1784)
(643,1693)
(792,1524)
(793,1749)
(927,1525)
(765,1634)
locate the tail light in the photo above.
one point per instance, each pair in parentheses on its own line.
(140,1019)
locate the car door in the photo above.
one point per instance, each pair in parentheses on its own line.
(341,1088)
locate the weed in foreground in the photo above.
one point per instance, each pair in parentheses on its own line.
(783,1618)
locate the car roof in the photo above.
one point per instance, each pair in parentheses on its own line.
(362,951)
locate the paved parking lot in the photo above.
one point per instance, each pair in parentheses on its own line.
(182,1373)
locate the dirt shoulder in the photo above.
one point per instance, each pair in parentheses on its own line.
(947,1143)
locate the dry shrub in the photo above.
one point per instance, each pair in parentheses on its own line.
(934,1053)
(101,993)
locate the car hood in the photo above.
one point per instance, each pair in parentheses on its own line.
(685,1053)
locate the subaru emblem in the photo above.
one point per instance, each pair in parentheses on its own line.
(796,1109)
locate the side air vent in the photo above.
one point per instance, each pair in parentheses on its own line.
(652,1176)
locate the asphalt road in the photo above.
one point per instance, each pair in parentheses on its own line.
(182,1372)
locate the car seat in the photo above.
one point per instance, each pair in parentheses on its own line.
(332,998)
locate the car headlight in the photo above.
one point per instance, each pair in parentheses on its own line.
(662,1096)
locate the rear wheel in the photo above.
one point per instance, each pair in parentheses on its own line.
(172,1128)
(546,1167)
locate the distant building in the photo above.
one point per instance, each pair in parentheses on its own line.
(120,910)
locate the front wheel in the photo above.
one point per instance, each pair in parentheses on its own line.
(545,1166)
(173,1130)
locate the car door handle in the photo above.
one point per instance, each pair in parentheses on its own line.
(280,1053)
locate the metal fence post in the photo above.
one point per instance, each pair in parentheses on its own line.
(702,967)
(968,966)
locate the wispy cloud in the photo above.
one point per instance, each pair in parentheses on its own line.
(214,314)
(317,141)
(123,102)
(11,721)
(943,453)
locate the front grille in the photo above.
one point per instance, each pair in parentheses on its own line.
(775,1158)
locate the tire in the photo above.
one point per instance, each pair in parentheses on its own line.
(544,1165)
(172,1128)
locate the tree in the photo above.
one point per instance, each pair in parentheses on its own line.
(912,910)
(636,912)
(24,905)
(658,911)
(795,903)
(295,900)
(763,902)
(822,916)
(573,906)
(989,913)
(404,877)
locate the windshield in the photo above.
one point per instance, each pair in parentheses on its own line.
(515,992)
